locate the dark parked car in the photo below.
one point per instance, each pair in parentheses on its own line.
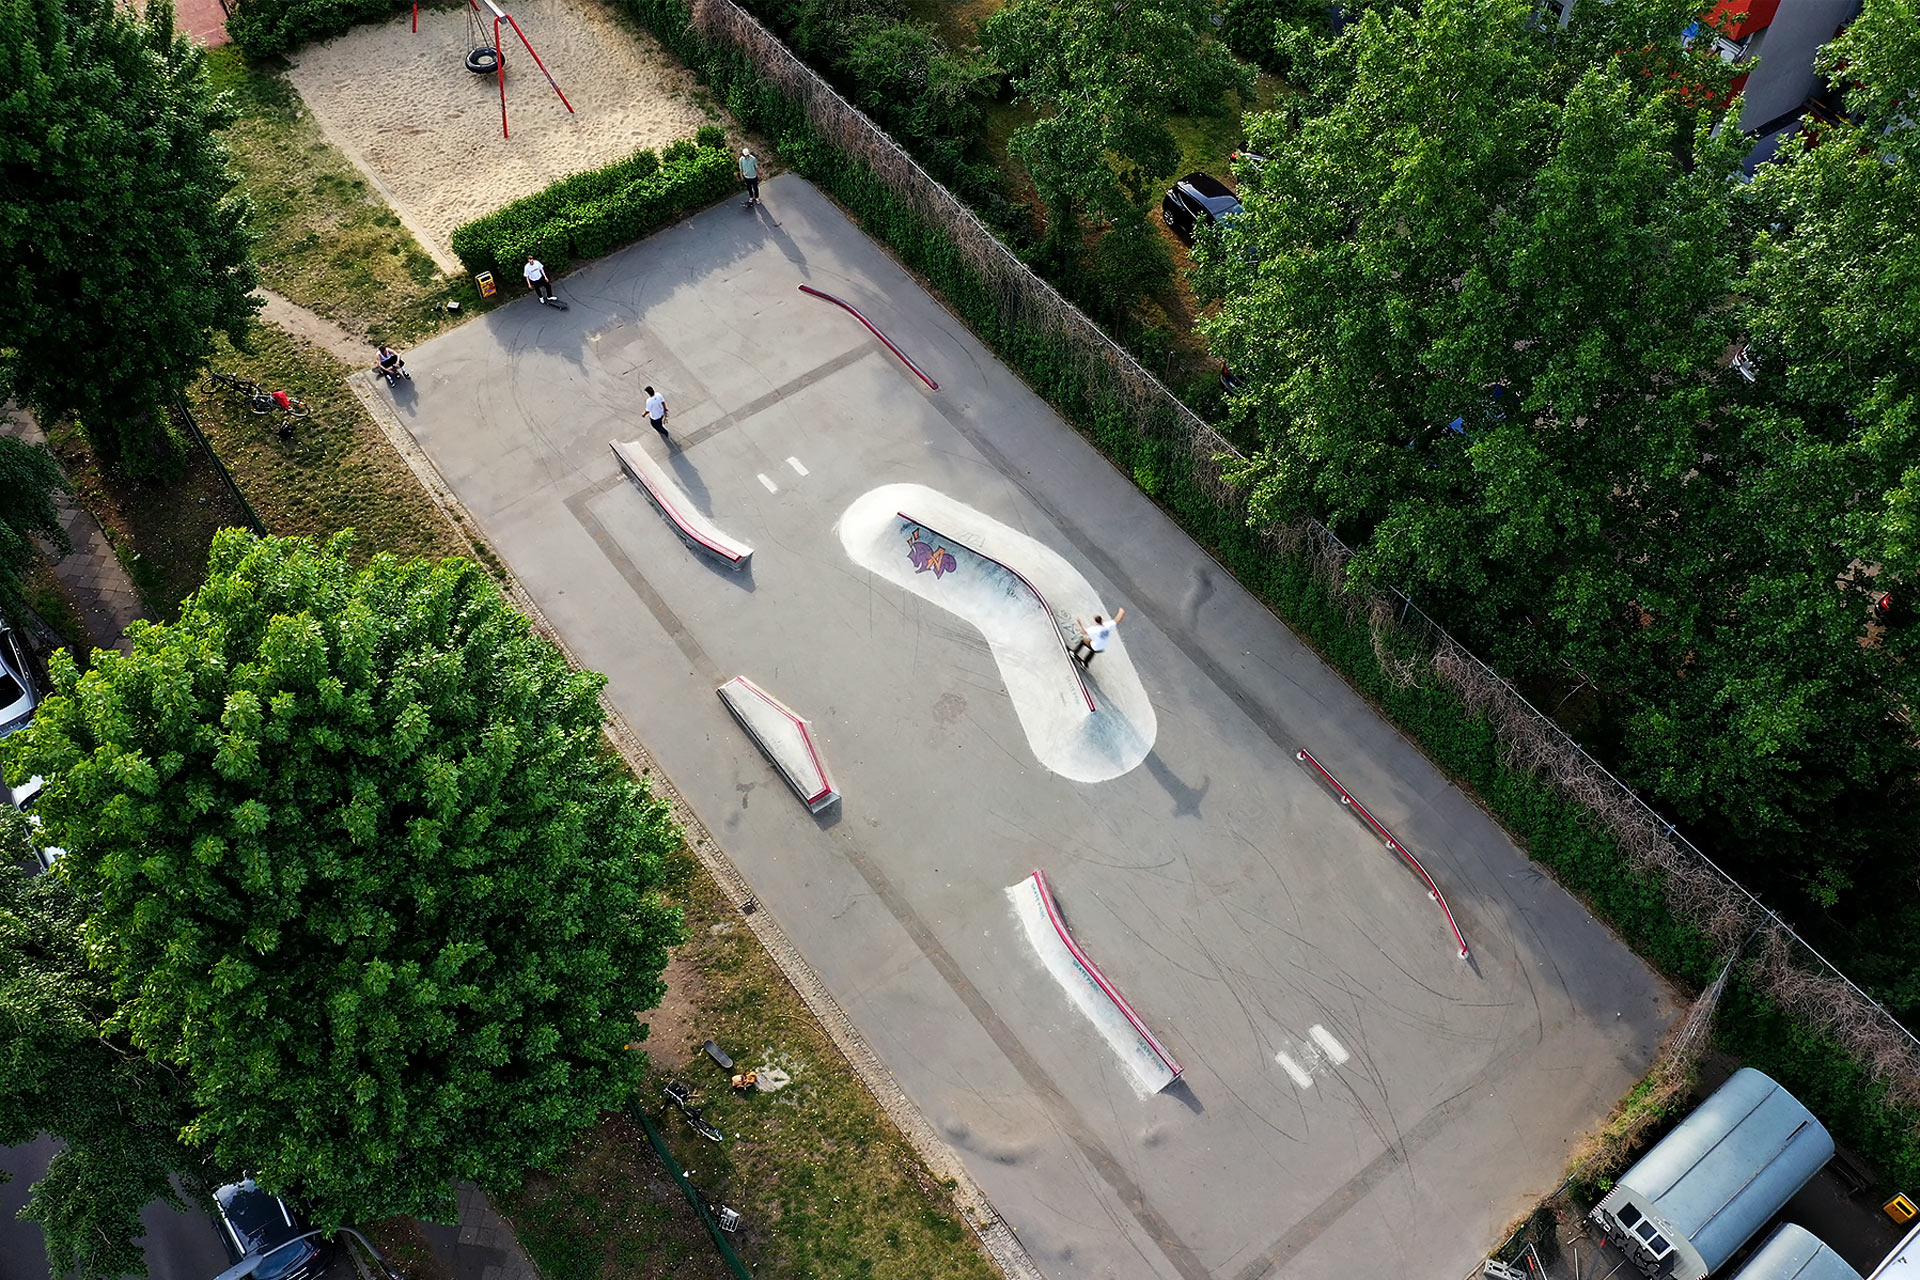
(251,1222)
(1197,198)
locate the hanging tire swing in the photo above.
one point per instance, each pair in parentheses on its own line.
(484,60)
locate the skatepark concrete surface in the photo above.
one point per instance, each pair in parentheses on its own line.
(1357,1101)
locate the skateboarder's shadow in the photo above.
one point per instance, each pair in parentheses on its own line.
(689,477)
(771,225)
(1186,799)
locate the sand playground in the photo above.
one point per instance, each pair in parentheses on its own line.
(426,130)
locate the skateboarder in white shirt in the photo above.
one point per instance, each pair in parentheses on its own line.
(536,274)
(1095,639)
(657,412)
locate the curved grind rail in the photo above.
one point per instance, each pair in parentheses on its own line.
(1100,979)
(1078,678)
(1346,798)
(855,313)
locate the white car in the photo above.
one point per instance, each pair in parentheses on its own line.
(17,699)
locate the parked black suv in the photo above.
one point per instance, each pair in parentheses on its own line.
(1195,198)
(251,1222)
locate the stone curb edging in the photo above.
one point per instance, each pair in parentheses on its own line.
(997,1237)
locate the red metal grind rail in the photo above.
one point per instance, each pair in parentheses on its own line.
(1346,798)
(1072,662)
(1100,979)
(855,313)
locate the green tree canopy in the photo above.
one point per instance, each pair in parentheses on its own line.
(1494,280)
(360,864)
(1833,296)
(1104,76)
(127,244)
(62,1072)
(29,477)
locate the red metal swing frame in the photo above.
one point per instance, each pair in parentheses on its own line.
(500,55)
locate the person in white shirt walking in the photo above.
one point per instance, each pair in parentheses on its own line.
(657,412)
(536,274)
(750,174)
(1095,639)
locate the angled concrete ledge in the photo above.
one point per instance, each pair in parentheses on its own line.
(786,739)
(673,502)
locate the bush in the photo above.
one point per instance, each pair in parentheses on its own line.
(587,215)
(711,135)
(263,28)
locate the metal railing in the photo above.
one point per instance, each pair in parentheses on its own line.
(219,467)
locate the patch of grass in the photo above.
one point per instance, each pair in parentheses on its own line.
(160,531)
(957,21)
(825,1185)
(401,1242)
(48,599)
(611,1209)
(336,470)
(328,241)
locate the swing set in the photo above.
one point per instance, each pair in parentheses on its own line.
(490,59)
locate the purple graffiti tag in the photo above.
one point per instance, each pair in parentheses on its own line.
(926,556)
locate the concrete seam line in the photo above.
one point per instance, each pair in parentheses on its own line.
(997,1238)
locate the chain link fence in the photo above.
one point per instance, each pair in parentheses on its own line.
(1410,647)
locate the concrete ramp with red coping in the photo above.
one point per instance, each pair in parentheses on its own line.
(1023,597)
(694,526)
(1152,1066)
(785,737)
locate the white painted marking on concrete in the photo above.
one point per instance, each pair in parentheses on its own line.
(771,486)
(1294,1069)
(795,464)
(1333,1048)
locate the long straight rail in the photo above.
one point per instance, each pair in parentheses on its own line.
(1346,798)
(1041,600)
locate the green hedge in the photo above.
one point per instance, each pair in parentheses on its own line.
(586,215)
(263,28)
(1558,834)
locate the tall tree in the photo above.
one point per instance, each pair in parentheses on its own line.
(1833,296)
(1485,338)
(360,864)
(1104,76)
(65,1070)
(29,477)
(118,218)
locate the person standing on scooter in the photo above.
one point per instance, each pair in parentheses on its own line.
(390,366)
(536,274)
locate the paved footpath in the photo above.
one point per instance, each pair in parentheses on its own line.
(1357,1100)
(91,574)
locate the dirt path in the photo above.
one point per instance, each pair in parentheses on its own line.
(314,328)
